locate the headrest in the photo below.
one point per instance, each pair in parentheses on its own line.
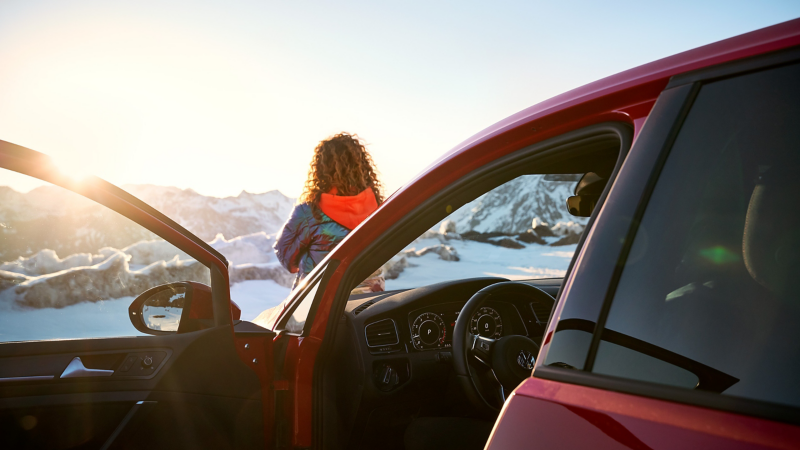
(771,241)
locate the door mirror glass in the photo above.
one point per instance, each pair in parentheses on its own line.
(162,311)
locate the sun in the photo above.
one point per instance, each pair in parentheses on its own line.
(72,168)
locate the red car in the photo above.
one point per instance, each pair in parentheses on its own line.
(661,316)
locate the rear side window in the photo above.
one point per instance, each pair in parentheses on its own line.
(711,284)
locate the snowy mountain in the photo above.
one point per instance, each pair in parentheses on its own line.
(27,219)
(511,207)
(208,216)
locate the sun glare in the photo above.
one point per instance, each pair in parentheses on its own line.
(74,169)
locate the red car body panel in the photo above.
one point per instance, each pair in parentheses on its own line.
(625,97)
(602,419)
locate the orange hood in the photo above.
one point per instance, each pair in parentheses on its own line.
(348,211)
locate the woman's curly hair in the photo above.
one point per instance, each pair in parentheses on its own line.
(341,161)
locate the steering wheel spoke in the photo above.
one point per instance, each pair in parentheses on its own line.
(481,348)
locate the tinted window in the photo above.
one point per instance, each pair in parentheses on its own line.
(712,273)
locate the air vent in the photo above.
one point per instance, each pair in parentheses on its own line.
(542,312)
(381,333)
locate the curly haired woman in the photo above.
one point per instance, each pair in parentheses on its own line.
(341,191)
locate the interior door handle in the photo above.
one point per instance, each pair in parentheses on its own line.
(75,369)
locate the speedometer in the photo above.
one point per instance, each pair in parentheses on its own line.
(428,331)
(487,323)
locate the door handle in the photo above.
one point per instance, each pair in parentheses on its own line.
(76,369)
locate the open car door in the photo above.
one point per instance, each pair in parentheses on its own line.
(117,329)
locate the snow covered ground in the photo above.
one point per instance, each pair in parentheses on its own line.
(255,296)
(109,318)
(478,259)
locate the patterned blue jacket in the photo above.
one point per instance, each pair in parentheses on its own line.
(305,240)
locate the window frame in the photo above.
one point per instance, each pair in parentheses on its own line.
(676,102)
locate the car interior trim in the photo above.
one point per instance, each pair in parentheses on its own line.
(28,378)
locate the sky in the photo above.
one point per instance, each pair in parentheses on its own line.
(225,96)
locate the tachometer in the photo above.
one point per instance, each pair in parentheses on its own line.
(428,331)
(487,323)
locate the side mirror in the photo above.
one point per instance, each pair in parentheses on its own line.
(172,308)
(587,194)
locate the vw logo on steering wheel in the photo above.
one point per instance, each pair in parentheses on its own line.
(525,360)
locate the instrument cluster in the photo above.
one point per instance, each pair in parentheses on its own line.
(432,328)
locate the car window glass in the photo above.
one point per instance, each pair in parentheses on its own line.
(70,267)
(623,361)
(519,230)
(297,321)
(711,274)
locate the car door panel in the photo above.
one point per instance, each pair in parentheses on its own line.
(202,389)
(200,394)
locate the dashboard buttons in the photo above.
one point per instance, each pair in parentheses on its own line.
(140,364)
(147,362)
(389,374)
(129,361)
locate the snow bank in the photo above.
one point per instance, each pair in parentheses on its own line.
(9,279)
(147,252)
(253,248)
(44,280)
(570,233)
(265,271)
(109,279)
(47,261)
(567,228)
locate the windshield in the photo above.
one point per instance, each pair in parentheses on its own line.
(519,230)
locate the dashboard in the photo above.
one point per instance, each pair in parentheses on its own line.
(422,320)
(393,350)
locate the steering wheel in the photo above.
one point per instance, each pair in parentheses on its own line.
(489,369)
